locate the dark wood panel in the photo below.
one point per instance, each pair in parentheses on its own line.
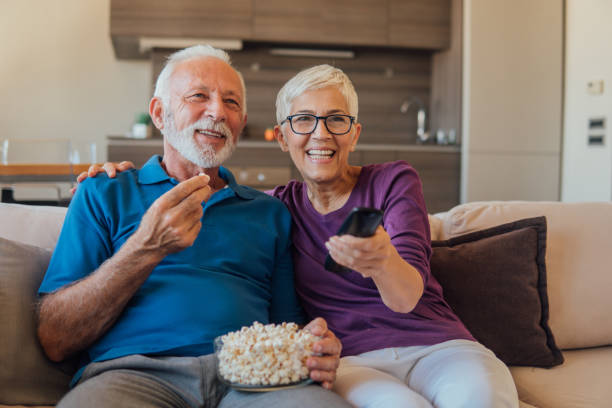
(373,157)
(136,154)
(360,22)
(261,177)
(383,78)
(271,157)
(419,23)
(440,175)
(182,18)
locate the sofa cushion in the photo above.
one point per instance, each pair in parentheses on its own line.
(578,259)
(495,281)
(30,224)
(26,375)
(582,381)
(435,225)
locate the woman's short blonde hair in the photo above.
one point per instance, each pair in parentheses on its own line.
(319,76)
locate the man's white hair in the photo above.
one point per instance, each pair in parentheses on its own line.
(319,76)
(162,86)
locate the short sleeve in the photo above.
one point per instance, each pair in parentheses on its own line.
(83,244)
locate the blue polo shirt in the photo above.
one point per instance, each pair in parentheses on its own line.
(238,270)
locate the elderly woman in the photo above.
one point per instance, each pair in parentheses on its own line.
(402,344)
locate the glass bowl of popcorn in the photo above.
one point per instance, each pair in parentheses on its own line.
(264,357)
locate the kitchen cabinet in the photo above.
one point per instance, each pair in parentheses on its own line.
(421,24)
(355,22)
(134,19)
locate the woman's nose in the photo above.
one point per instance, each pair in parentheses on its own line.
(320,130)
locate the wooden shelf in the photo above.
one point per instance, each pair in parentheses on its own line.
(25,169)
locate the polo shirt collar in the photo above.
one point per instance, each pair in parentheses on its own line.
(152,172)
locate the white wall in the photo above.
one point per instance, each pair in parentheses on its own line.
(59,76)
(587,170)
(512,99)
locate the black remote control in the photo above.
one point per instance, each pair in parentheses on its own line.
(361,222)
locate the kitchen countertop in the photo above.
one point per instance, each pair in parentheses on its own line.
(120,140)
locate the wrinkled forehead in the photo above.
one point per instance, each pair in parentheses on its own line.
(208,73)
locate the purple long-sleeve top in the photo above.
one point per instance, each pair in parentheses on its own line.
(350,303)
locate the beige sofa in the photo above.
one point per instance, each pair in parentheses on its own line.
(578,271)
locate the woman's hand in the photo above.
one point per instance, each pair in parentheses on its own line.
(400,285)
(110,168)
(323,368)
(369,256)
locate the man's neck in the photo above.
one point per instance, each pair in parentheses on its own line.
(181,169)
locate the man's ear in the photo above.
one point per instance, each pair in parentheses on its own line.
(280,138)
(156,111)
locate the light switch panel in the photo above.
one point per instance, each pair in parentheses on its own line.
(595,87)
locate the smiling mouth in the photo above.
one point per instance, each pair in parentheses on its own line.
(210,133)
(320,153)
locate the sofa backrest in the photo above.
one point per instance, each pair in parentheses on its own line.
(34,225)
(578,261)
(578,254)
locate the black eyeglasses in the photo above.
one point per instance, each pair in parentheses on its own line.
(305,123)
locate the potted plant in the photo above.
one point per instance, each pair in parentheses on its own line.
(141,129)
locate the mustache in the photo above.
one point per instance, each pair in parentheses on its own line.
(209,124)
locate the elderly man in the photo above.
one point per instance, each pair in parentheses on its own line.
(151,266)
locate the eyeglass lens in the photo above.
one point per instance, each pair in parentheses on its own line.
(336,124)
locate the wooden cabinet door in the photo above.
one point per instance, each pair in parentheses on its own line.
(362,22)
(182,18)
(440,175)
(419,23)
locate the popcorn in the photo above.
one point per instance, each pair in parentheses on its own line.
(265,354)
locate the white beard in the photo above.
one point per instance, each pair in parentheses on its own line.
(202,155)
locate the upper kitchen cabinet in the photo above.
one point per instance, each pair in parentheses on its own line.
(419,23)
(133,20)
(422,24)
(343,22)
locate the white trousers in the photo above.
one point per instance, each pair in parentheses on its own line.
(453,374)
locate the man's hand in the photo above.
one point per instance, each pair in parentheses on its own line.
(74,317)
(323,368)
(173,221)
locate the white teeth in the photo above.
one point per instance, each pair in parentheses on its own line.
(315,152)
(203,132)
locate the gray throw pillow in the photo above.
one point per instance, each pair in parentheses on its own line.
(26,376)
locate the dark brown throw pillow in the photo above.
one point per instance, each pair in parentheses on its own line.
(495,281)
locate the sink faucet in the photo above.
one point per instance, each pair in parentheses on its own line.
(422,134)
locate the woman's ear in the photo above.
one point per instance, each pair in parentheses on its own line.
(156,111)
(280,138)
(357,127)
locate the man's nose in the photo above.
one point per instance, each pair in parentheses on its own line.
(215,109)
